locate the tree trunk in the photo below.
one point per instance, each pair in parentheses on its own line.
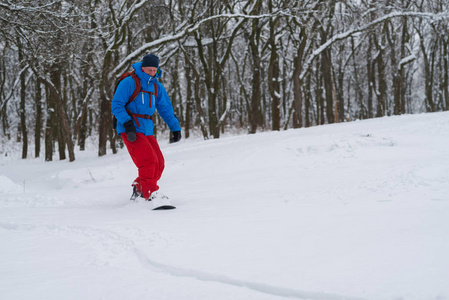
(326,72)
(446,73)
(5,123)
(254,109)
(404,42)
(371,79)
(55,77)
(273,75)
(61,143)
(319,95)
(254,113)
(38,121)
(307,101)
(200,108)
(49,126)
(213,117)
(190,65)
(381,91)
(105,107)
(52,87)
(23,125)
(225,110)
(338,84)
(297,90)
(428,75)
(391,38)
(112,134)
(189,101)
(103,122)
(82,132)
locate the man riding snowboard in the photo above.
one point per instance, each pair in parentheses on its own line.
(135,124)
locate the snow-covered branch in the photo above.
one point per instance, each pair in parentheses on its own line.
(406,60)
(190,28)
(17,7)
(349,33)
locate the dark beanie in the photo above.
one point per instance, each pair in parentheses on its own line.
(150,60)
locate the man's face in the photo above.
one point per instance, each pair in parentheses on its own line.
(150,71)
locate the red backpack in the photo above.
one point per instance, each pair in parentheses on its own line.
(134,96)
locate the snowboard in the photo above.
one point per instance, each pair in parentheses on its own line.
(164,207)
(162,203)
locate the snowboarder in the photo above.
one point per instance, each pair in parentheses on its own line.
(135,124)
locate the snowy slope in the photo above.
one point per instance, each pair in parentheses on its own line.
(347,211)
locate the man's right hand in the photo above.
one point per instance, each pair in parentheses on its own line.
(130,130)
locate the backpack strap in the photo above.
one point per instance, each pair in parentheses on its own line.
(152,93)
(134,115)
(155,90)
(133,95)
(137,90)
(136,81)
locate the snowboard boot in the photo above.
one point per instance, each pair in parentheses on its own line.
(137,191)
(160,201)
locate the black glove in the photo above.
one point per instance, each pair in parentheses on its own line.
(176,137)
(130,130)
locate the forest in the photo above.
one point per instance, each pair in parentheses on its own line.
(229,65)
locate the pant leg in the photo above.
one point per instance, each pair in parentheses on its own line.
(157,150)
(146,161)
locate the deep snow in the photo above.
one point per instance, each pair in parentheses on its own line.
(346,211)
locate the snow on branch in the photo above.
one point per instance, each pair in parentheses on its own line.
(406,60)
(349,33)
(188,30)
(15,7)
(225,114)
(14,87)
(119,36)
(29,11)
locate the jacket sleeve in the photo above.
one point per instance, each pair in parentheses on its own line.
(165,109)
(124,90)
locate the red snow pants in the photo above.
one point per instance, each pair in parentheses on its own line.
(148,158)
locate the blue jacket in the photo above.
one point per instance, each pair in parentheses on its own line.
(143,104)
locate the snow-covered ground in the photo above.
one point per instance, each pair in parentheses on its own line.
(347,211)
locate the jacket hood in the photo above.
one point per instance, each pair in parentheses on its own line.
(144,77)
